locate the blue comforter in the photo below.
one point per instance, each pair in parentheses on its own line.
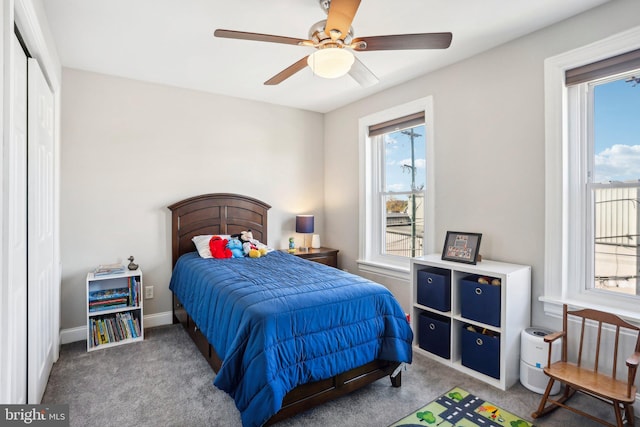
(280,321)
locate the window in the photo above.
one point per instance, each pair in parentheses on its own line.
(396,166)
(592,256)
(400,147)
(613,184)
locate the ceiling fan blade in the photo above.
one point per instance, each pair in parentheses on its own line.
(241,35)
(362,74)
(287,72)
(403,41)
(340,17)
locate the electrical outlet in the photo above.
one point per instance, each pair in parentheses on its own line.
(148,292)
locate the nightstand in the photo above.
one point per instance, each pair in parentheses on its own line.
(326,256)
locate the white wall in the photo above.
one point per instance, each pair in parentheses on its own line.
(130,149)
(489,146)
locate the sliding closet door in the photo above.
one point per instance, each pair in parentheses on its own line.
(40,231)
(14,352)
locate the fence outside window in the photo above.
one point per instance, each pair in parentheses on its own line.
(617,249)
(398,236)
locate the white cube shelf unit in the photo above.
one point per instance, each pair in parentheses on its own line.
(114,309)
(484,344)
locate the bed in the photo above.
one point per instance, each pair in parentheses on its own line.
(295,343)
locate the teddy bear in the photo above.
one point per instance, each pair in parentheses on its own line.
(218,247)
(235,246)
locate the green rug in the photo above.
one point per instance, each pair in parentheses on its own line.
(459,408)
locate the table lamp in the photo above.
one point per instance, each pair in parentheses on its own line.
(304,225)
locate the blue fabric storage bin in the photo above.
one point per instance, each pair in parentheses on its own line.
(480,302)
(434,334)
(434,288)
(481,352)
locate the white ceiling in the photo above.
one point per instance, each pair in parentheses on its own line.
(171,41)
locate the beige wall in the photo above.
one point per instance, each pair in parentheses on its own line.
(129,149)
(489,146)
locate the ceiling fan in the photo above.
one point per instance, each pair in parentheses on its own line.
(334,43)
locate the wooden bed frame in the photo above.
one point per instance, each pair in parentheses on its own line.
(225,213)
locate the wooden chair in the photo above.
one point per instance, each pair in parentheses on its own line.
(589,380)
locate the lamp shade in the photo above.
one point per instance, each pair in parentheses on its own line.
(304,224)
(331,63)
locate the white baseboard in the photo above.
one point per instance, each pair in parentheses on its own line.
(73,334)
(80,333)
(158,319)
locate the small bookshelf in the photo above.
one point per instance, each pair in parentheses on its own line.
(114,309)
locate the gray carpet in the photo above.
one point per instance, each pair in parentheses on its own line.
(164,381)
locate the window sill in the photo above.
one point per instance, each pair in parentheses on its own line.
(553,307)
(382,269)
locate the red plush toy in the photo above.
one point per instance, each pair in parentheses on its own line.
(218,247)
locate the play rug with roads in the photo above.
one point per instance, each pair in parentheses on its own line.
(459,408)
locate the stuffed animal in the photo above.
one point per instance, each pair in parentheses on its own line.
(246,236)
(250,246)
(261,247)
(247,247)
(254,249)
(254,253)
(218,247)
(263,250)
(235,246)
(243,236)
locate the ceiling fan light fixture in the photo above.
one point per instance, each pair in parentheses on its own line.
(331,63)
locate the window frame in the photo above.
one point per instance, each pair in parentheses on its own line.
(566,165)
(370,257)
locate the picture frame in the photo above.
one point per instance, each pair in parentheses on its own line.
(460,246)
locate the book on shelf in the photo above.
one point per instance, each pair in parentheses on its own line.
(136,323)
(114,328)
(118,326)
(108,269)
(107,307)
(94,335)
(131,325)
(101,337)
(134,293)
(107,299)
(107,294)
(109,331)
(110,301)
(124,327)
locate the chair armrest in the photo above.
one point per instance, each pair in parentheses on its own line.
(553,336)
(632,361)
(549,338)
(632,364)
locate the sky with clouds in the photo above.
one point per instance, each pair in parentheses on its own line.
(398,154)
(617,131)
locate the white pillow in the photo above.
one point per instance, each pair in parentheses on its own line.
(202,243)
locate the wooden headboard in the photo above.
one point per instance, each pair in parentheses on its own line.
(218,213)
